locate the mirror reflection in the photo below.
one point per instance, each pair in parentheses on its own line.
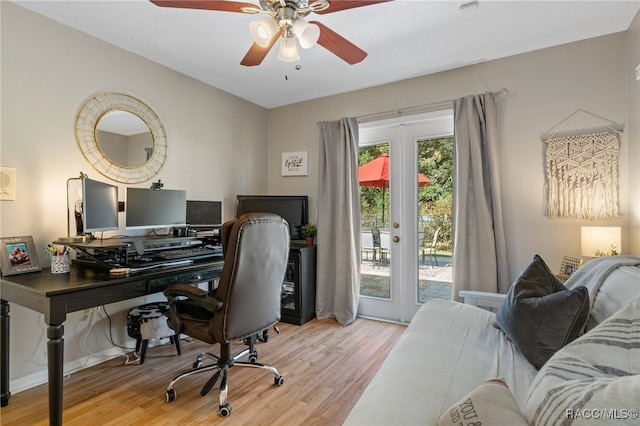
(124,138)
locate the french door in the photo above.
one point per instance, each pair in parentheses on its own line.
(391,257)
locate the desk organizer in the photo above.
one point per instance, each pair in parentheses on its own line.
(60,264)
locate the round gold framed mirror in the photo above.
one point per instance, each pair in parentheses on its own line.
(121,137)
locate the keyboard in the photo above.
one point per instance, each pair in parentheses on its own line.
(188,253)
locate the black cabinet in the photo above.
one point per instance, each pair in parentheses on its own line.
(299,286)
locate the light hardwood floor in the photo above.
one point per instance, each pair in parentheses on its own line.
(326,367)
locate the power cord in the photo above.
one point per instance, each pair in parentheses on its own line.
(127,360)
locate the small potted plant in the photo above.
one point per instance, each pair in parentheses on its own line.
(309,231)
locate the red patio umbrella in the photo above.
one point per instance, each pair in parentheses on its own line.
(376,173)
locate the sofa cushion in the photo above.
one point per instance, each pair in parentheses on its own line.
(448,350)
(540,315)
(595,375)
(489,404)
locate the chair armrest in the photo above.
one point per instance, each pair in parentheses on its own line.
(196,294)
(482,299)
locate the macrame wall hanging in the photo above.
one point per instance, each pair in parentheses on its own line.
(582,175)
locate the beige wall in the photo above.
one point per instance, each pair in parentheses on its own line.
(544,87)
(48,71)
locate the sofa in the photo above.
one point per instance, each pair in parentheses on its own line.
(457,364)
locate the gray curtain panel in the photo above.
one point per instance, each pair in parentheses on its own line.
(479,254)
(338,238)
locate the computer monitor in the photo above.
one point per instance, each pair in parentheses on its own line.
(204,214)
(147,208)
(293,208)
(99,206)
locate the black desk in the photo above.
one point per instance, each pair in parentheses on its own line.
(55,295)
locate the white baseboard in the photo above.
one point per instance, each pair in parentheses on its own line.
(71,367)
(42,377)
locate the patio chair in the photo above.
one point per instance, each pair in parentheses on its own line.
(429,248)
(366,243)
(385,246)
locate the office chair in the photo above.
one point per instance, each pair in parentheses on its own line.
(245,304)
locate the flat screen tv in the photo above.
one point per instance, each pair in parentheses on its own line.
(293,208)
(99,206)
(147,208)
(204,214)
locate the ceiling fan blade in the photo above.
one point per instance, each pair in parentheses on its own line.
(257,53)
(338,5)
(222,5)
(339,46)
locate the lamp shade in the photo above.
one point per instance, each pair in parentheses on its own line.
(288,50)
(263,30)
(598,240)
(308,34)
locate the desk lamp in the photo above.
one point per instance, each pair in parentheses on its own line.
(74,212)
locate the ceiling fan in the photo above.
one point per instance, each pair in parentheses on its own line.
(285,21)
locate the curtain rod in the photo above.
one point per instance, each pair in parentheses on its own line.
(405,111)
(419,109)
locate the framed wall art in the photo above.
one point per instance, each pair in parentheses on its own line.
(18,255)
(295,163)
(7,183)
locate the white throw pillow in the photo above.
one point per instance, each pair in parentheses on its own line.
(489,404)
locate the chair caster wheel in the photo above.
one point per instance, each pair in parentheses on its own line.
(197,364)
(279,380)
(225,410)
(253,357)
(171,395)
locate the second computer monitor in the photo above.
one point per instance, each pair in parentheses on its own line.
(148,208)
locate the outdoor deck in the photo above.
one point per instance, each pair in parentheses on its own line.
(434,281)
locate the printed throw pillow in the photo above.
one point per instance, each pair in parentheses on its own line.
(539,314)
(593,380)
(489,404)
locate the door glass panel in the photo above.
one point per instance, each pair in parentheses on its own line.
(288,297)
(435,164)
(391,286)
(373,174)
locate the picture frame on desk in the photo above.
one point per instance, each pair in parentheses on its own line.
(18,255)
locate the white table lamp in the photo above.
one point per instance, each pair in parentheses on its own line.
(600,240)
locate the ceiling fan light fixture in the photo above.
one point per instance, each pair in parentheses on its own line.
(308,34)
(288,50)
(263,30)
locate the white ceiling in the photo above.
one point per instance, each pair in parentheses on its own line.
(403,38)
